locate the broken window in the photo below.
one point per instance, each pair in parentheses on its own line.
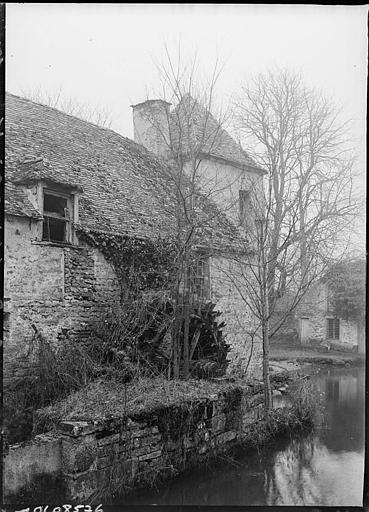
(333,328)
(244,205)
(201,279)
(56,224)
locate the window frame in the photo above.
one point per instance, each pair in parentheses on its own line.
(67,220)
(334,328)
(201,278)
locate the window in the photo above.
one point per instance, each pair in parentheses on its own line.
(57,211)
(333,328)
(245,205)
(201,278)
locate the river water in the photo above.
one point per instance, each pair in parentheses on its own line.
(323,468)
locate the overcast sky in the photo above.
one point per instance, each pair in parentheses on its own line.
(104,54)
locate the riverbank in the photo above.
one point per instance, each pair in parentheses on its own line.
(292,356)
(319,468)
(111,438)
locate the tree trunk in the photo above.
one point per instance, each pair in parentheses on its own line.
(303,244)
(266,284)
(186,315)
(265,329)
(267,388)
(186,334)
(175,339)
(178,299)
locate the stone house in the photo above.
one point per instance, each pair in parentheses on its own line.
(223,169)
(224,172)
(316,321)
(64,174)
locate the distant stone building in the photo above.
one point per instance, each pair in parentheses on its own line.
(316,321)
(64,174)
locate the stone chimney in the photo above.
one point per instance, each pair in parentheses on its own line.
(150,123)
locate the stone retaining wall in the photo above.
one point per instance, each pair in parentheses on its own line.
(103,458)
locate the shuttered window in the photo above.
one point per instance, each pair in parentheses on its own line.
(333,328)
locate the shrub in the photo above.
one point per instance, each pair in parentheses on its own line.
(301,413)
(57,371)
(137,343)
(209,355)
(131,344)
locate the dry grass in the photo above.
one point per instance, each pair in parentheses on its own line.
(57,372)
(105,398)
(299,416)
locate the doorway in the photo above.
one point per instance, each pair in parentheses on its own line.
(305,330)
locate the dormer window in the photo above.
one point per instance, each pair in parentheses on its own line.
(57,213)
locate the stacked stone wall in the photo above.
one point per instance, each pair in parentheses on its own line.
(119,455)
(315,307)
(245,351)
(62,291)
(66,291)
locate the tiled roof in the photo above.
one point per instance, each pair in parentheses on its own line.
(212,139)
(126,189)
(36,169)
(17,203)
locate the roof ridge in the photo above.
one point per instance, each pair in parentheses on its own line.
(22,98)
(109,130)
(200,109)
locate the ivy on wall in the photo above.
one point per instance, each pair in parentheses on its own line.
(136,340)
(140,264)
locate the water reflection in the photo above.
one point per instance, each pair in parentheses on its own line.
(344,409)
(321,469)
(326,468)
(307,473)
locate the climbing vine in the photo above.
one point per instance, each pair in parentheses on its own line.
(139,340)
(140,264)
(130,341)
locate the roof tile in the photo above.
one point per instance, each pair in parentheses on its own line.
(126,189)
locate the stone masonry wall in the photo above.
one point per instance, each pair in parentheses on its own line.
(63,291)
(127,454)
(105,457)
(66,291)
(222,182)
(314,307)
(238,318)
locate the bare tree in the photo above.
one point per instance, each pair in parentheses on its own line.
(186,135)
(307,202)
(255,256)
(296,134)
(85,111)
